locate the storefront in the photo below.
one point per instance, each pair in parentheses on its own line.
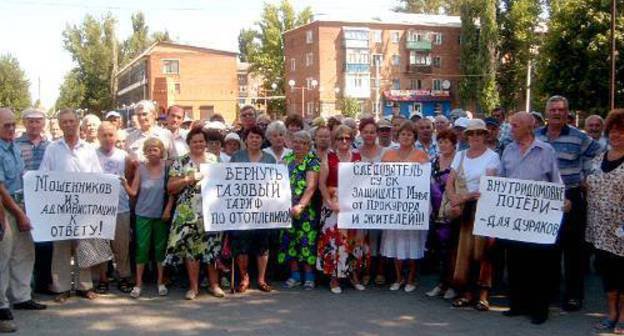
(428,102)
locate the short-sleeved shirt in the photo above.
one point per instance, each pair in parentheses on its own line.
(115,163)
(179,142)
(243,156)
(136,138)
(11,166)
(32,154)
(285,152)
(538,163)
(432,151)
(80,159)
(474,168)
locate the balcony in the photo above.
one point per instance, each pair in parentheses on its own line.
(355,44)
(422,45)
(357,68)
(419,69)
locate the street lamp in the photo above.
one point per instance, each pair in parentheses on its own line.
(313,83)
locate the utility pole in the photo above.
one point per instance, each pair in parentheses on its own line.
(527,105)
(613,57)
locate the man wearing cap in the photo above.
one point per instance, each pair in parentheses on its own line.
(384,133)
(415,116)
(32,145)
(114,118)
(175,117)
(575,152)
(492,139)
(459,126)
(145,112)
(17,252)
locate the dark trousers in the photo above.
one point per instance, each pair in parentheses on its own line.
(529,290)
(43,266)
(572,246)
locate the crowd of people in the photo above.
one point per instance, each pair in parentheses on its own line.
(160,224)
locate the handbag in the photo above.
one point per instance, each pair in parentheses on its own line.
(91,252)
(446,209)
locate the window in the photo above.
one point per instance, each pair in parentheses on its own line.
(417,58)
(377,36)
(358,57)
(309,37)
(171,67)
(309,108)
(309,59)
(292,64)
(395,37)
(309,81)
(361,35)
(242,79)
(437,84)
(396,84)
(459,40)
(415,84)
(378,60)
(206,111)
(176,87)
(437,38)
(437,61)
(396,60)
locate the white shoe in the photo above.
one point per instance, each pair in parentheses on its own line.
(450,294)
(336,290)
(436,291)
(217,292)
(162,290)
(136,292)
(409,288)
(190,295)
(359,287)
(395,286)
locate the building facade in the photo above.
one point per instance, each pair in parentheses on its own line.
(203,81)
(400,64)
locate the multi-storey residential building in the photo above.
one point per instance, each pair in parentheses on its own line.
(250,90)
(396,64)
(203,81)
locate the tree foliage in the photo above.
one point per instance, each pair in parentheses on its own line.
(13,84)
(351,107)
(265,52)
(72,90)
(447,7)
(575,58)
(140,39)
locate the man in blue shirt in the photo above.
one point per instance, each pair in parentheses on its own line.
(17,253)
(575,151)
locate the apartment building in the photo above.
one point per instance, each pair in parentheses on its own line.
(399,63)
(203,81)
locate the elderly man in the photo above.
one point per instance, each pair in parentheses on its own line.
(504,135)
(575,151)
(17,252)
(145,113)
(247,119)
(89,125)
(115,118)
(528,158)
(425,140)
(69,154)
(32,145)
(175,117)
(441,123)
(594,127)
(384,133)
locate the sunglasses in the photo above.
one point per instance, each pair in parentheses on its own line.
(476,133)
(343,139)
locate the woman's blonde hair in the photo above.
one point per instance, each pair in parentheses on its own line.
(154,142)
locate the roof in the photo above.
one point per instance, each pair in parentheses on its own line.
(150,49)
(388,18)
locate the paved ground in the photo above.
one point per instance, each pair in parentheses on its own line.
(295,312)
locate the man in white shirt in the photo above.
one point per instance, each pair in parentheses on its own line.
(145,112)
(69,154)
(175,118)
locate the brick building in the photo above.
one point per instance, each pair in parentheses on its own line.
(398,63)
(203,81)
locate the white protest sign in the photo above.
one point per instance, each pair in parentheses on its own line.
(245,196)
(390,195)
(527,211)
(64,206)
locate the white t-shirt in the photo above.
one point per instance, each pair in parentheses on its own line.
(476,167)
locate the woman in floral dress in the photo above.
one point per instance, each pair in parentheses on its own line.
(298,244)
(188,243)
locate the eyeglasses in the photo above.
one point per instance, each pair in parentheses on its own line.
(339,139)
(477,133)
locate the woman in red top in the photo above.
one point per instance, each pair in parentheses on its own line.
(341,253)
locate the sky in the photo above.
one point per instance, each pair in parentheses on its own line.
(31,30)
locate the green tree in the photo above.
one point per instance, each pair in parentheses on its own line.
(519,21)
(247,44)
(72,91)
(266,57)
(575,58)
(448,7)
(13,84)
(351,107)
(140,39)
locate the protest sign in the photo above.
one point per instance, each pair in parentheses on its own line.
(527,211)
(64,206)
(245,196)
(390,196)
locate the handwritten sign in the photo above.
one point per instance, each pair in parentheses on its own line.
(390,196)
(245,196)
(64,206)
(527,211)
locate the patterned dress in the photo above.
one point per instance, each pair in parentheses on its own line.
(340,252)
(299,242)
(187,238)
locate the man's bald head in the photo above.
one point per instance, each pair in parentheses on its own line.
(107,135)
(7,124)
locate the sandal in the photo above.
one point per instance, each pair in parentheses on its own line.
(124,286)
(263,286)
(605,324)
(242,287)
(461,302)
(88,294)
(62,298)
(482,305)
(102,287)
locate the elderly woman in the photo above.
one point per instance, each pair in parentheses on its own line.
(252,241)
(188,243)
(444,231)
(462,187)
(276,133)
(341,253)
(298,244)
(294,123)
(605,215)
(232,144)
(214,144)
(403,245)
(322,142)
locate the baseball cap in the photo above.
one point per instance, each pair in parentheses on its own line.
(476,125)
(33,114)
(112,114)
(383,123)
